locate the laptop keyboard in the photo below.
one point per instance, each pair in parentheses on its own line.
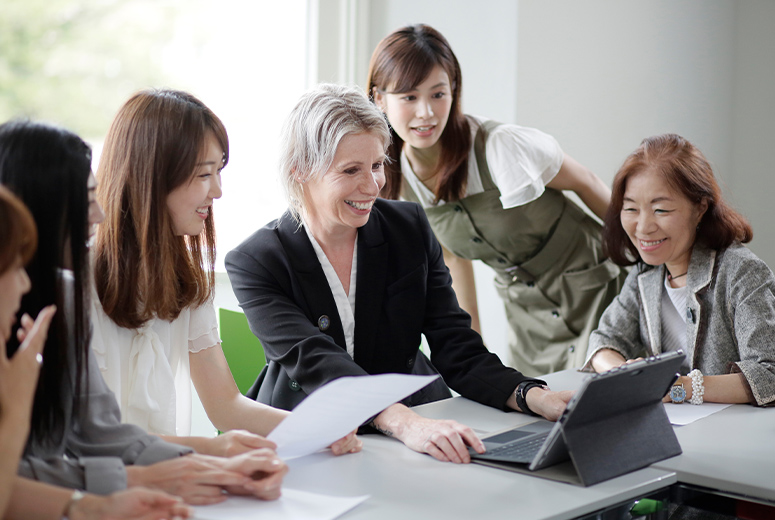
(520,451)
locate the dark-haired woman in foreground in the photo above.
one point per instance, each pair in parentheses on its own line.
(695,287)
(22,498)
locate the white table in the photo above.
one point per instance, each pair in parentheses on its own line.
(732,451)
(405,485)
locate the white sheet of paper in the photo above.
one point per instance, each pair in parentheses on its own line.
(685,413)
(292,505)
(336,409)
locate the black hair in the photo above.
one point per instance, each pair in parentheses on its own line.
(48,169)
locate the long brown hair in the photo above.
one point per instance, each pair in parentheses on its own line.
(142,269)
(687,171)
(401,61)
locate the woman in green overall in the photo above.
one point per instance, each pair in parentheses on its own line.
(493,192)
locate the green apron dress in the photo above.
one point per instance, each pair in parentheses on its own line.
(549,267)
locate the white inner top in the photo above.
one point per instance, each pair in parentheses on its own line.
(345,303)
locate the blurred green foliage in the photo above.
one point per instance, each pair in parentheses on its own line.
(75,62)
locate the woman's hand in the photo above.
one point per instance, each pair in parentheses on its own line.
(348,444)
(606,359)
(19,375)
(132,504)
(201,479)
(546,403)
(197,479)
(444,440)
(264,469)
(236,442)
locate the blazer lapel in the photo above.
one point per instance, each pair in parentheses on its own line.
(370,286)
(650,287)
(700,275)
(312,279)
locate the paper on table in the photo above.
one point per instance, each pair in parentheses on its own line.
(683,414)
(293,504)
(339,407)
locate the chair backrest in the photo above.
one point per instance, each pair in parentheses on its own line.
(244,352)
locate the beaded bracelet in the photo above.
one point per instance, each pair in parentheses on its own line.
(698,387)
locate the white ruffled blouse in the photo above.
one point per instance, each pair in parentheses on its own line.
(148,368)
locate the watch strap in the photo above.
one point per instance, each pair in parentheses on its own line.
(521,394)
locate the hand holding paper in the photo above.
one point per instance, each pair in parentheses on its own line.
(338,408)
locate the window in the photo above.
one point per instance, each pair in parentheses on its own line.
(74,62)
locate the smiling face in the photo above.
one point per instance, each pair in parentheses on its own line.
(660,221)
(420,115)
(189,204)
(14,283)
(339,201)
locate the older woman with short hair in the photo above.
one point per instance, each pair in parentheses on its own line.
(345,284)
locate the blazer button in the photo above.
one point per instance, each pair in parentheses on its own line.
(530,283)
(555,314)
(410,363)
(293,385)
(476,240)
(572,349)
(324,322)
(458,208)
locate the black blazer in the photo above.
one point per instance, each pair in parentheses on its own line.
(403,290)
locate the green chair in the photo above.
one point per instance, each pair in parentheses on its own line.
(244,352)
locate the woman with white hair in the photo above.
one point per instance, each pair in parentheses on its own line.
(345,284)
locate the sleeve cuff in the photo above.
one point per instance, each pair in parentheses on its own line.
(103,475)
(161,450)
(762,391)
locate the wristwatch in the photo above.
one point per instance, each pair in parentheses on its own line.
(521,394)
(677,392)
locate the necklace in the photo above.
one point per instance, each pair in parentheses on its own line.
(671,277)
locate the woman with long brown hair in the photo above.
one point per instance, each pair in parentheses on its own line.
(493,192)
(155,328)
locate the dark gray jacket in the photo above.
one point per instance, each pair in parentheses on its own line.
(731,316)
(96,447)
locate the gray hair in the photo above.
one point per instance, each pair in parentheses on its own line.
(317,124)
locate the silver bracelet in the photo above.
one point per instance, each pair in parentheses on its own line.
(698,387)
(74,499)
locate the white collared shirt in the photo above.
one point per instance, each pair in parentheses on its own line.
(345,303)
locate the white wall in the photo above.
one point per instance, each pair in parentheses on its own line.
(751,177)
(601,75)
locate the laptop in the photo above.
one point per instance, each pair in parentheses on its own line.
(615,423)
